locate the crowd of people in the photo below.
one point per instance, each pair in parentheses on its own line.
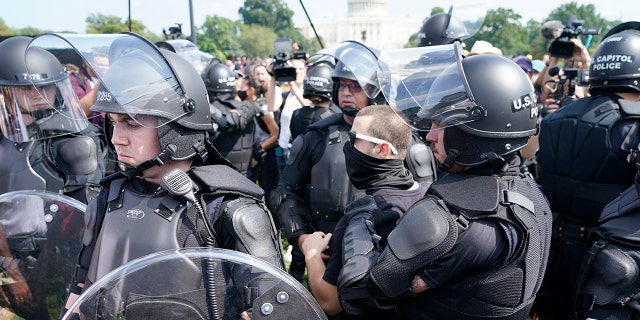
(424,183)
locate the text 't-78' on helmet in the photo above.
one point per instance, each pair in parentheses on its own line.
(39,101)
(139,79)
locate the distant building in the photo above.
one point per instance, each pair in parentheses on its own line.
(368,22)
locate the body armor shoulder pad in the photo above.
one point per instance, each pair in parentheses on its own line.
(619,219)
(625,203)
(216,179)
(630,108)
(425,233)
(476,196)
(326,122)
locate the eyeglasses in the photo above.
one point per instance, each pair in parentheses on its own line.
(353,86)
(353,136)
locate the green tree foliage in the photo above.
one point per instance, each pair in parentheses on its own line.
(4,29)
(435,10)
(264,20)
(502,28)
(273,14)
(99,23)
(32,31)
(26,31)
(588,14)
(537,44)
(219,37)
(413,39)
(257,40)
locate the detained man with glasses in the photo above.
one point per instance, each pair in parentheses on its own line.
(314,187)
(378,143)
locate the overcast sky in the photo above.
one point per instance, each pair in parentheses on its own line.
(70,15)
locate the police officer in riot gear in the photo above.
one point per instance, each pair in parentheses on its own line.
(607,284)
(318,88)
(158,106)
(441,28)
(313,156)
(583,154)
(234,119)
(46,142)
(314,187)
(476,246)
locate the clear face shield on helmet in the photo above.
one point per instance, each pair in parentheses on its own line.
(427,84)
(40,105)
(464,21)
(359,63)
(135,78)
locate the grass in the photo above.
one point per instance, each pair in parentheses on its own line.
(287,259)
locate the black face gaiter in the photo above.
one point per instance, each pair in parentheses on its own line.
(242,94)
(369,173)
(349,111)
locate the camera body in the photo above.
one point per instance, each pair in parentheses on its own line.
(569,79)
(581,76)
(561,47)
(282,71)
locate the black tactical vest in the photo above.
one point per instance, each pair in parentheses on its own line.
(330,189)
(608,282)
(507,291)
(581,171)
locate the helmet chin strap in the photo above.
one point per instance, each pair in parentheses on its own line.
(160,159)
(450,160)
(349,111)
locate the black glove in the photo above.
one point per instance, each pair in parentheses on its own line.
(258,153)
(233,122)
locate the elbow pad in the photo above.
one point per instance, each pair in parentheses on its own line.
(255,231)
(80,160)
(426,232)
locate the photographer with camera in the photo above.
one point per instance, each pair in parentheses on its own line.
(561,86)
(583,158)
(290,70)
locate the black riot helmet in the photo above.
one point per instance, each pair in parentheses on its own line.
(218,78)
(39,101)
(357,62)
(318,81)
(615,66)
(484,116)
(441,28)
(179,102)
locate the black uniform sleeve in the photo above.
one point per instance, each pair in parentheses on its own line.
(294,211)
(480,247)
(234,116)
